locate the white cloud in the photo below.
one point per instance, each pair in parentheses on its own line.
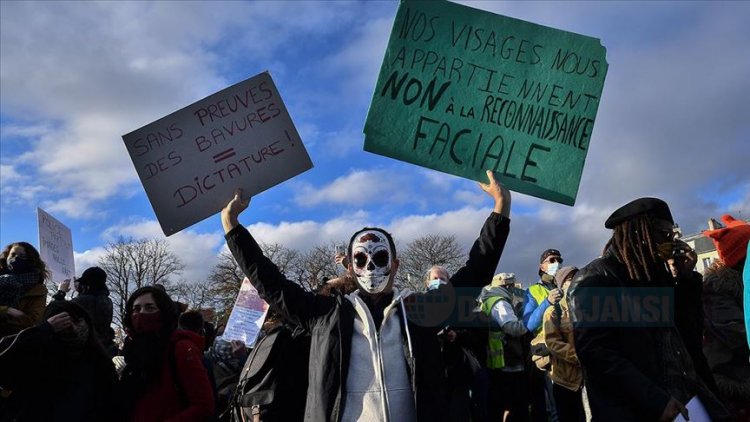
(113,67)
(469,197)
(356,188)
(88,258)
(8,173)
(303,235)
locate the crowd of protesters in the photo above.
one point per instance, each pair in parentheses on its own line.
(634,335)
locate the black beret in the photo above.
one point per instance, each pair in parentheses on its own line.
(653,206)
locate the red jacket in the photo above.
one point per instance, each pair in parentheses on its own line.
(162,402)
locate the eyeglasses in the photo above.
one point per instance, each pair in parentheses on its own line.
(555,259)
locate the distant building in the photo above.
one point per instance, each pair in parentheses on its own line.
(703,246)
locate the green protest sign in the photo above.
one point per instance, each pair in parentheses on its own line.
(463,90)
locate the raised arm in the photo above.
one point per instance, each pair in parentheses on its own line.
(286,297)
(487,249)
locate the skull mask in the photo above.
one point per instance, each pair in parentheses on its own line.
(371,259)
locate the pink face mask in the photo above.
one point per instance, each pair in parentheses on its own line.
(371,259)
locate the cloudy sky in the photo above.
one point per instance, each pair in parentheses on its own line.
(76,76)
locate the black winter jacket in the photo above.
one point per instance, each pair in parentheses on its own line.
(632,367)
(330,321)
(48,384)
(99,306)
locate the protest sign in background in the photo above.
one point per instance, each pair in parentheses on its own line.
(247,316)
(191,161)
(55,246)
(463,90)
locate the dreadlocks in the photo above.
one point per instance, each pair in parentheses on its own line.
(635,248)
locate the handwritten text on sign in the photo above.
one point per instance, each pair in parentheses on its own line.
(463,90)
(191,161)
(55,246)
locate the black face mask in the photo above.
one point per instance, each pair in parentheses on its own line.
(19,265)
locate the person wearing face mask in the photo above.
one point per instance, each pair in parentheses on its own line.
(164,377)
(436,276)
(539,297)
(544,293)
(370,358)
(23,294)
(57,370)
(635,363)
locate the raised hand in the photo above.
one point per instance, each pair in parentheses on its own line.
(499,193)
(232,210)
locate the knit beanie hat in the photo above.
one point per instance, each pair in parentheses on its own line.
(730,241)
(503,279)
(564,273)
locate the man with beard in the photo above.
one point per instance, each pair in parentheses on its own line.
(370,359)
(635,363)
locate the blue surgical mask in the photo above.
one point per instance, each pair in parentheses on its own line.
(552,268)
(434,284)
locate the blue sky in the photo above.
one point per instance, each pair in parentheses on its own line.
(76,76)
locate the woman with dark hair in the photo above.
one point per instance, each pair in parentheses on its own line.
(164,377)
(57,370)
(22,291)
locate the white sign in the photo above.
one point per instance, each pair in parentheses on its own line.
(191,161)
(55,247)
(247,316)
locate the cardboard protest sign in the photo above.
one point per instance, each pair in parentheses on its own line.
(191,161)
(463,90)
(55,246)
(247,316)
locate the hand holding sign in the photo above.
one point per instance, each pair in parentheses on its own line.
(499,193)
(233,209)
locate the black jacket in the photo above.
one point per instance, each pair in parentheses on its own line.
(330,321)
(48,384)
(99,306)
(633,366)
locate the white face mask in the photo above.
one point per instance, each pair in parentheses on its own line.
(435,283)
(371,259)
(552,268)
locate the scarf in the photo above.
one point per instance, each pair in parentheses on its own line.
(14,286)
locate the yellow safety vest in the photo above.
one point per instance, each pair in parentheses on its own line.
(495,353)
(539,293)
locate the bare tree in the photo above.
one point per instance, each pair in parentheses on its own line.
(286,259)
(306,269)
(224,283)
(131,264)
(197,295)
(424,252)
(316,265)
(226,277)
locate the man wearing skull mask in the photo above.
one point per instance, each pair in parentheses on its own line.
(370,359)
